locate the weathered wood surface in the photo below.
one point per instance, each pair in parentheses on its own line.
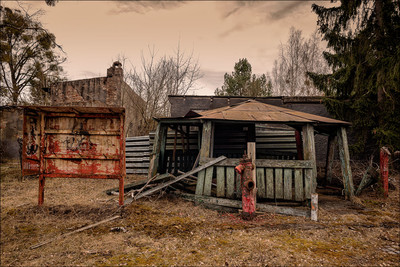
(278,183)
(309,152)
(345,162)
(200,182)
(220,181)
(238,204)
(314,207)
(298,181)
(230,182)
(260,183)
(271,163)
(159,142)
(138,184)
(288,184)
(251,153)
(269,173)
(164,185)
(208,181)
(206,141)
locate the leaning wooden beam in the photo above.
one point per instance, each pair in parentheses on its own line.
(237,204)
(164,185)
(73,232)
(158,148)
(345,162)
(138,184)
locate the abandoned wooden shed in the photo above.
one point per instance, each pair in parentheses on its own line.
(279,140)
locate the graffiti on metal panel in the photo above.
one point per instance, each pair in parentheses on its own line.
(79,142)
(32,146)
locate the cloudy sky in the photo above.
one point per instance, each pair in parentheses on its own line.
(94,33)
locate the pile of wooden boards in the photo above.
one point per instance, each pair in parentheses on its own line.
(185,182)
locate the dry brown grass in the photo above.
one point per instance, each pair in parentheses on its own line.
(170,231)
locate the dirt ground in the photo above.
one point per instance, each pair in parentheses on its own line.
(165,230)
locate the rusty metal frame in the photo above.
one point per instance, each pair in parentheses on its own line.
(42,155)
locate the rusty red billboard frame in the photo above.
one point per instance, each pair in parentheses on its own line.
(74,142)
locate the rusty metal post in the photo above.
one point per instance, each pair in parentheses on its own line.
(245,169)
(384,169)
(42,150)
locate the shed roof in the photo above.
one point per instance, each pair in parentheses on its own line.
(254,111)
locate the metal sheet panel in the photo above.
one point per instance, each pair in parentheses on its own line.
(74,142)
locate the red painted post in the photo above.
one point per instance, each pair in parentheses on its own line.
(384,168)
(245,168)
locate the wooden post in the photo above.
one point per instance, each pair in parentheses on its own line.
(345,162)
(122,157)
(309,154)
(205,152)
(384,169)
(42,150)
(251,153)
(332,141)
(158,148)
(314,207)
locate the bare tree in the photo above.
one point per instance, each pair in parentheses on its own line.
(157,78)
(296,58)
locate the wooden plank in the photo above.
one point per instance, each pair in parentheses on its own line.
(238,185)
(138,184)
(345,162)
(278,183)
(138,165)
(298,185)
(206,139)
(180,177)
(269,173)
(251,153)
(314,207)
(307,183)
(238,204)
(208,181)
(220,181)
(270,163)
(230,182)
(287,183)
(309,152)
(200,182)
(260,183)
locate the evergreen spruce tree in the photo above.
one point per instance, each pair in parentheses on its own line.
(364,87)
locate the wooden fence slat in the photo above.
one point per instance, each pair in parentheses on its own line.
(278,183)
(220,181)
(270,163)
(230,182)
(200,182)
(260,183)
(287,190)
(208,181)
(270,182)
(298,184)
(238,185)
(307,183)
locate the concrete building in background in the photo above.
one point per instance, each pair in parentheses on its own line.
(110,90)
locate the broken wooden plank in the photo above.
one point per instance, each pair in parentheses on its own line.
(231,203)
(230,182)
(260,183)
(164,185)
(220,181)
(138,184)
(73,232)
(208,181)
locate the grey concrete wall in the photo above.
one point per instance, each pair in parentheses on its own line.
(11,120)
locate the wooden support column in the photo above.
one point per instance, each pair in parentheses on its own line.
(158,154)
(330,156)
(251,153)
(205,152)
(309,154)
(345,162)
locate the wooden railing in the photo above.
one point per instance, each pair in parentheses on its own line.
(289,180)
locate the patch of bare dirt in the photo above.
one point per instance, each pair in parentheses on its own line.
(166,230)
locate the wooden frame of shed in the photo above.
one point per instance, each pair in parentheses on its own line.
(276,179)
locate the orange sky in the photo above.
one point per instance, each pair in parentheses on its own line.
(94,33)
